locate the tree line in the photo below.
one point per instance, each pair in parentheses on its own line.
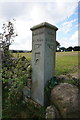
(63,49)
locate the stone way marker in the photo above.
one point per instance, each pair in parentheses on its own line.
(43,59)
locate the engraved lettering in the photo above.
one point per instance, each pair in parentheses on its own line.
(38,32)
(50,33)
(37,57)
(37,40)
(50,40)
(36,46)
(50,46)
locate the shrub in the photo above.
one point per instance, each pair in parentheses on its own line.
(14,77)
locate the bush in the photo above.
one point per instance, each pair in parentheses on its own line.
(14,78)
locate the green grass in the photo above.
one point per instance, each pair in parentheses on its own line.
(66,62)
(27,55)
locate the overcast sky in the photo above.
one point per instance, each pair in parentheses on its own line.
(62,14)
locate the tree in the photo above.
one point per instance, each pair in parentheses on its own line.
(62,49)
(69,48)
(57,45)
(7,37)
(76,48)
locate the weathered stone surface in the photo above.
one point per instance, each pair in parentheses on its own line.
(67,77)
(43,58)
(66,97)
(75,75)
(51,112)
(29,81)
(62,77)
(29,68)
(26,92)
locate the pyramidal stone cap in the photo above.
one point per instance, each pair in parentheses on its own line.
(44,24)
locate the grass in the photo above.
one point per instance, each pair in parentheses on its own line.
(66,62)
(27,55)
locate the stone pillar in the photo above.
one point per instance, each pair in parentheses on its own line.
(43,59)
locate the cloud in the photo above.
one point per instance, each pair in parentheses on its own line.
(24,38)
(70,41)
(39,1)
(28,14)
(27,45)
(54,11)
(74,37)
(12,9)
(67,26)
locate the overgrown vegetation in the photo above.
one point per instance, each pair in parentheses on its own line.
(15,75)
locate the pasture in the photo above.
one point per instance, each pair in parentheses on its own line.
(66,62)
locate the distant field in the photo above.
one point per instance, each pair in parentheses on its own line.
(27,55)
(66,62)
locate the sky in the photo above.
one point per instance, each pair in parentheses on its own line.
(63,14)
